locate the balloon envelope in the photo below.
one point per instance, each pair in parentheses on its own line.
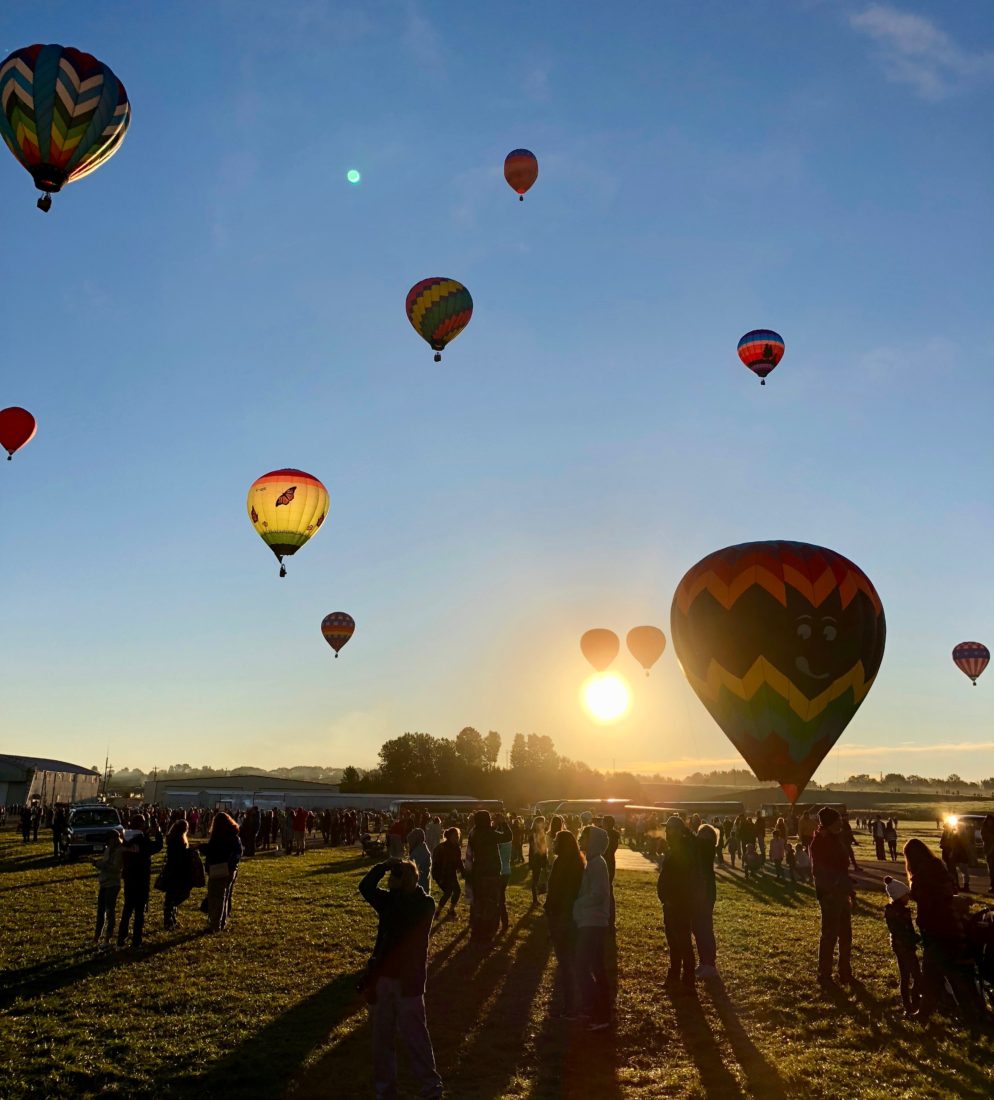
(62,113)
(287,507)
(971,658)
(761,350)
(521,170)
(17,427)
(781,641)
(600,647)
(439,309)
(646,645)
(337,627)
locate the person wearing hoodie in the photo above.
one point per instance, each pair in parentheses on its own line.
(592,916)
(903,941)
(830,866)
(420,856)
(565,879)
(677,888)
(504,841)
(109,867)
(177,874)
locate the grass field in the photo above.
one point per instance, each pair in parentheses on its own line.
(268,1009)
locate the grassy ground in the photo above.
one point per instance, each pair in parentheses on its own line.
(267,1009)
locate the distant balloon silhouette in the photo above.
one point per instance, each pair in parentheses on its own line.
(646,645)
(600,647)
(971,659)
(62,114)
(286,508)
(17,427)
(337,627)
(761,350)
(521,170)
(781,641)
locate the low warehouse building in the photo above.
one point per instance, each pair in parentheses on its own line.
(238,792)
(29,778)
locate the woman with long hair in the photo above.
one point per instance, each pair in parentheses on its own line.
(564,885)
(538,855)
(222,853)
(177,874)
(945,951)
(484,849)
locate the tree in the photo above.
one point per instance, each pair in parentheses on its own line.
(351,778)
(519,752)
(894,779)
(471,748)
(491,748)
(542,755)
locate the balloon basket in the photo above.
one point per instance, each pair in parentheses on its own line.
(438,357)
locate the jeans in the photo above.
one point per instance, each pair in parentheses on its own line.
(591,973)
(502,908)
(395,1015)
(106,910)
(219,901)
(450,890)
(135,900)
(911,977)
(677,925)
(703,927)
(836,928)
(564,944)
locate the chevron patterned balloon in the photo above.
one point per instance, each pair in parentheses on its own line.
(62,114)
(439,309)
(781,641)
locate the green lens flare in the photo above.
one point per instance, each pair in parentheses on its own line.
(353,176)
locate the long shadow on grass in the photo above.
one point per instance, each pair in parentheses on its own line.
(43,978)
(29,885)
(764,889)
(477,1044)
(264,1062)
(343,866)
(763,1078)
(15,866)
(717,1079)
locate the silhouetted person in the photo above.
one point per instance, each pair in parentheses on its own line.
(139,848)
(830,867)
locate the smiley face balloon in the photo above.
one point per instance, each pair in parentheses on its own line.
(781,641)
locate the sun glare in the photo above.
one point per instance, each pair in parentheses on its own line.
(606,697)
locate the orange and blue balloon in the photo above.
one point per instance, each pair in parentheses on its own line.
(761,350)
(971,659)
(439,309)
(521,170)
(63,113)
(337,627)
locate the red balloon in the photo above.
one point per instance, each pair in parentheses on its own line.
(17,427)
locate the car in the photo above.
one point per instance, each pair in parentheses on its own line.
(89,829)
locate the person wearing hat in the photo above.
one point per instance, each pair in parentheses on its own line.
(829,865)
(903,941)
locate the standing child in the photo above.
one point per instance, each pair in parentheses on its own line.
(791,857)
(903,941)
(109,867)
(752,861)
(778,850)
(802,863)
(734,844)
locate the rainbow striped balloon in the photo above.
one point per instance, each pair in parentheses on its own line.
(761,350)
(337,627)
(62,114)
(439,309)
(971,659)
(521,170)
(287,507)
(781,641)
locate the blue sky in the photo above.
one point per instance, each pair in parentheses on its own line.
(217,301)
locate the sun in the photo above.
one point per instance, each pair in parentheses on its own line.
(606,697)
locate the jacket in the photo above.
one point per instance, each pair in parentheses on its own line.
(679,881)
(401,950)
(903,937)
(446,863)
(483,846)
(421,857)
(565,879)
(222,849)
(110,865)
(592,908)
(137,854)
(829,863)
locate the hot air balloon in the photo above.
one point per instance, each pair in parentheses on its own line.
(521,170)
(287,507)
(17,427)
(439,309)
(337,627)
(62,114)
(761,350)
(600,647)
(646,645)
(781,641)
(971,657)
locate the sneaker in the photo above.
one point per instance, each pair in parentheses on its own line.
(704,971)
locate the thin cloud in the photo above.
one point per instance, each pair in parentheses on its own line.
(916,52)
(420,38)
